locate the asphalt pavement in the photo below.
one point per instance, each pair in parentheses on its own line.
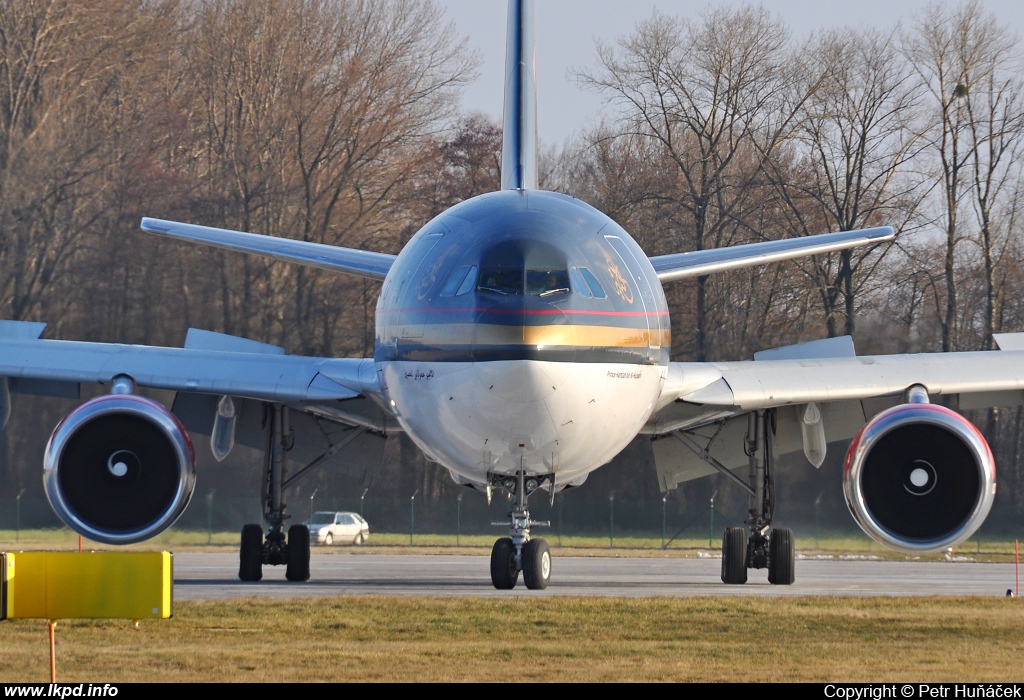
(204,576)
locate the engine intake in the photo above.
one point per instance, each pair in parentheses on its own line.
(919,478)
(119,469)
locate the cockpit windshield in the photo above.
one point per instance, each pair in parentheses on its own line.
(507,281)
(502,280)
(547,282)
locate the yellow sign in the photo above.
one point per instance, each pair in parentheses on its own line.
(69,585)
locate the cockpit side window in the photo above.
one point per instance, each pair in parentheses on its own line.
(460,281)
(454,280)
(502,280)
(547,282)
(467,283)
(579,285)
(592,282)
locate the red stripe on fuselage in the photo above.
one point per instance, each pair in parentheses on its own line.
(525,312)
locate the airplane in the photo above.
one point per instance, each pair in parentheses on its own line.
(522,341)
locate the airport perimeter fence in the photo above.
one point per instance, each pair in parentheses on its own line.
(607,521)
(468,515)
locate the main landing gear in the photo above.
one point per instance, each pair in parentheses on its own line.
(518,553)
(255,551)
(763,547)
(275,550)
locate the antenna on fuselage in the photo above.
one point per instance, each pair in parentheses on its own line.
(519,138)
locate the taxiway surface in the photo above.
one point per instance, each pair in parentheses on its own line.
(199,576)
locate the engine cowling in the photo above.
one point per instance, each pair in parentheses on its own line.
(919,478)
(119,469)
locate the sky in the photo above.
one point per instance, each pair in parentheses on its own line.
(566,31)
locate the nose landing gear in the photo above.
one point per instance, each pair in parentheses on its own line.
(518,553)
(504,569)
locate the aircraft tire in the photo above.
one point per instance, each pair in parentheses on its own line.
(298,553)
(781,557)
(504,573)
(536,564)
(734,556)
(250,553)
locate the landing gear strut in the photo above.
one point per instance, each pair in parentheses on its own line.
(764,547)
(519,553)
(275,549)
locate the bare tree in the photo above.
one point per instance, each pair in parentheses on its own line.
(851,160)
(718,95)
(315,117)
(995,110)
(467,163)
(66,122)
(961,57)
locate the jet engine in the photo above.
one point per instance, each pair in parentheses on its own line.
(119,469)
(919,478)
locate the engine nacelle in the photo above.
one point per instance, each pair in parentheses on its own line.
(919,478)
(119,469)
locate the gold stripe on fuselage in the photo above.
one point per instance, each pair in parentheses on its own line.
(554,335)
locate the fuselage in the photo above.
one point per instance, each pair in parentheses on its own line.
(522,330)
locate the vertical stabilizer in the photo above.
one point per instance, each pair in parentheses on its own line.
(519,142)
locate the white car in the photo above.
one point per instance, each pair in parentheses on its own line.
(330,527)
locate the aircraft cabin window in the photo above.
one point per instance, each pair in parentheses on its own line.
(592,282)
(579,285)
(547,282)
(502,280)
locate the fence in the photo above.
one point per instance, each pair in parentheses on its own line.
(468,515)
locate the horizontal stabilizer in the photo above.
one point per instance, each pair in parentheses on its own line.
(363,263)
(697,263)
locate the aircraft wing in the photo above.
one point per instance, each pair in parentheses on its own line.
(696,263)
(363,263)
(993,378)
(210,363)
(821,393)
(231,389)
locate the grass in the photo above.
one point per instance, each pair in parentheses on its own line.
(563,639)
(368,638)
